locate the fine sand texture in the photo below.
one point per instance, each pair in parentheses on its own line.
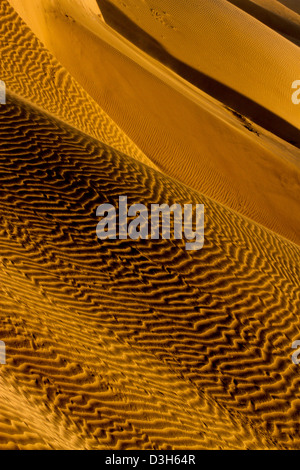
(183,131)
(31,71)
(274,15)
(141,344)
(126,345)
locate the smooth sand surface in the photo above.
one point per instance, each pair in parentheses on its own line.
(193,35)
(274,15)
(123,344)
(292,5)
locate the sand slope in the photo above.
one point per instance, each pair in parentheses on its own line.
(141,345)
(274,15)
(184,132)
(220,41)
(31,71)
(292,5)
(204,338)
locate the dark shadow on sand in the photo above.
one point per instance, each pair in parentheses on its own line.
(286,28)
(116,19)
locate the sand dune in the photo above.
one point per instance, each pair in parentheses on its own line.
(204,338)
(237,62)
(292,5)
(281,8)
(189,43)
(274,15)
(220,153)
(31,71)
(123,344)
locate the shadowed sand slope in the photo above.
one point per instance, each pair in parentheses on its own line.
(280,8)
(292,5)
(31,71)
(274,15)
(129,345)
(222,43)
(182,130)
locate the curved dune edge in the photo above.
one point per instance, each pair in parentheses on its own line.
(282,8)
(135,345)
(274,15)
(185,133)
(249,54)
(293,5)
(29,70)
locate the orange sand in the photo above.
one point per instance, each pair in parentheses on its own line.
(124,344)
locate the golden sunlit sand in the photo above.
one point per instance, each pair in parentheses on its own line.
(184,132)
(123,344)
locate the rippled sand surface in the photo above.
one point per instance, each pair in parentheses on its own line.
(141,344)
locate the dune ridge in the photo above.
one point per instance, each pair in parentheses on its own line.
(29,70)
(275,16)
(121,344)
(292,5)
(201,48)
(204,338)
(220,152)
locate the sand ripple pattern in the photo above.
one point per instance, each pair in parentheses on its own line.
(134,344)
(32,72)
